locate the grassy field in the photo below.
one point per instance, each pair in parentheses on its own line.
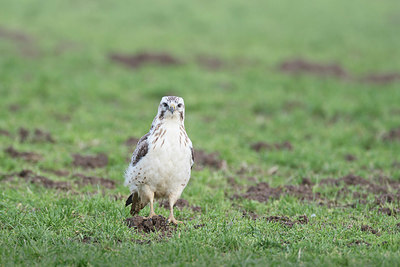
(299,99)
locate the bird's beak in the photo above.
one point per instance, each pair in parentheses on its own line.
(172,108)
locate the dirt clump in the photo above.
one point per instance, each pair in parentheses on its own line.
(367,228)
(392,135)
(250,214)
(23,42)
(42,136)
(203,159)
(381,78)
(131,141)
(84,180)
(358,242)
(4,132)
(28,156)
(97,161)
(139,60)
(389,211)
(180,204)
(259,146)
(301,66)
(23,134)
(156,224)
(350,157)
(261,192)
(33,178)
(209,62)
(37,136)
(59,173)
(303,219)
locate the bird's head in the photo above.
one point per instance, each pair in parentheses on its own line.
(171,107)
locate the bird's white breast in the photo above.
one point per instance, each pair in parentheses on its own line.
(166,167)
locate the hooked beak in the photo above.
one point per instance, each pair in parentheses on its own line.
(172,108)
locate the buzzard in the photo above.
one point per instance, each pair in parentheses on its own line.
(162,161)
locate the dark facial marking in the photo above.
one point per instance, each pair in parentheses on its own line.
(161,115)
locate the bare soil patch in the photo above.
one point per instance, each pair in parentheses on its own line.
(259,146)
(38,136)
(131,141)
(287,221)
(382,188)
(392,135)
(139,60)
(180,204)
(381,78)
(302,66)
(350,157)
(33,178)
(209,62)
(28,156)
(262,192)
(96,161)
(203,159)
(358,243)
(4,132)
(367,228)
(23,41)
(156,224)
(84,180)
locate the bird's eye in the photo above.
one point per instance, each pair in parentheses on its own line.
(165,105)
(179,105)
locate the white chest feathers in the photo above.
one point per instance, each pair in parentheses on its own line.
(166,167)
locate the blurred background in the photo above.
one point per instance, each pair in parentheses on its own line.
(321,75)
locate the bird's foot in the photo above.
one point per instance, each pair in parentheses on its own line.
(151,215)
(173,220)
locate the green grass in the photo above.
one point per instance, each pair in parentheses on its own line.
(70,75)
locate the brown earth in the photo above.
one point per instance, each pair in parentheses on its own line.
(382,187)
(258,146)
(286,221)
(392,135)
(262,192)
(180,204)
(37,136)
(24,42)
(359,242)
(367,228)
(209,62)
(59,173)
(139,60)
(97,161)
(350,157)
(301,66)
(84,180)
(31,177)
(156,224)
(203,159)
(4,132)
(381,78)
(28,156)
(131,141)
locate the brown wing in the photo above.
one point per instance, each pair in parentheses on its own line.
(141,150)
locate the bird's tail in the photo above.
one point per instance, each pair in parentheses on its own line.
(137,205)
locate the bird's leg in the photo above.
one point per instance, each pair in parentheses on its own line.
(171,217)
(151,200)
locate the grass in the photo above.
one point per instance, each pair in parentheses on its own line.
(61,80)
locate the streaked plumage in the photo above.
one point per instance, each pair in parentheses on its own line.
(161,163)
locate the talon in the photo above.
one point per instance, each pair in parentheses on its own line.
(174,221)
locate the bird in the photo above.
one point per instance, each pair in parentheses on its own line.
(161,164)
